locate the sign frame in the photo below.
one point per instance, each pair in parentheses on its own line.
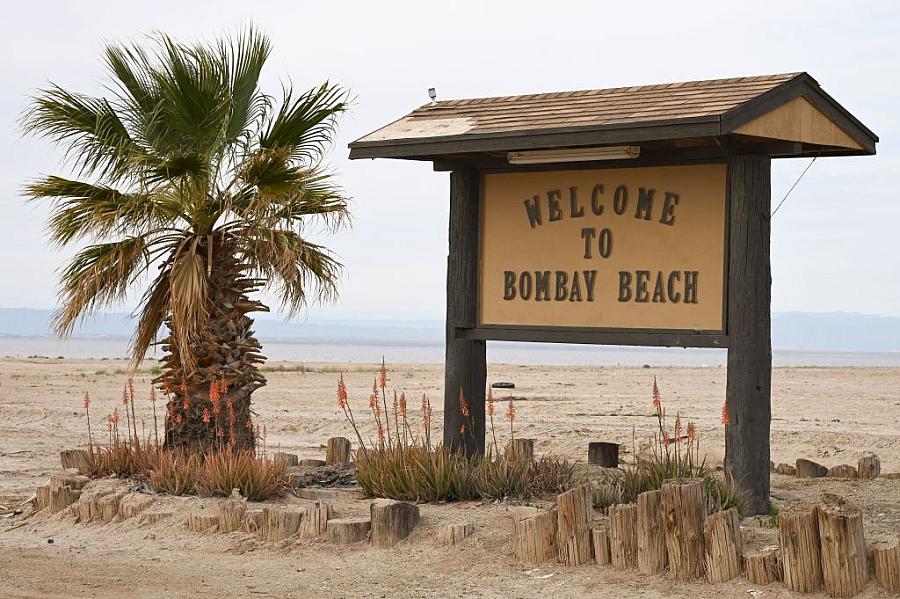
(649,336)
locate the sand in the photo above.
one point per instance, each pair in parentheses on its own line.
(831,415)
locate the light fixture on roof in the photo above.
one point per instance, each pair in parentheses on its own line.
(432,93)
(573,155)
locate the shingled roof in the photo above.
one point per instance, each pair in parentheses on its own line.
(619,115)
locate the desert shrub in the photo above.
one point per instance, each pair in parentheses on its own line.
(549,475)
(257,478)
(506,476)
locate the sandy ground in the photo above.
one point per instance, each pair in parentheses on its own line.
(831,415)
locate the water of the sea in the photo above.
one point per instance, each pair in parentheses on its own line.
(363,351)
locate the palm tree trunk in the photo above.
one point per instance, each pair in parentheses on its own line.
(209,401)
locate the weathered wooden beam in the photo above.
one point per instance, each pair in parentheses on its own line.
(748,392)
(465,362)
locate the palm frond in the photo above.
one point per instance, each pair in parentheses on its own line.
(86,210)
(98,276)
(188,292)
(243,57)
(296,269)
(155,310)
(304,125)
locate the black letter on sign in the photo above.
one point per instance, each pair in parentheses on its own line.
(587,233)
(668,217)
(533,210)
(553,205)
(641,294)
(577,211)
(605,243)
(690,286)
(542,286)
(659,295)
(590,277)
(509,285)
(624,286)
(644,203)
(596,206)
(562,291)
(674,277)
(525,285)
(620,200)
(575,295)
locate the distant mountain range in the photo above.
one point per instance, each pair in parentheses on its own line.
(833,331)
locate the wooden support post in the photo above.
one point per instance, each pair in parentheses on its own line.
(337,451)
(869,466)
(722,537)
(392,521)
(651,533)
(601,545)
(534,537)
(465,359)
(844,560)
(521,448)
(605,455)
(573,532)
(763,567)
(749,386)
(684,509)
(886,561)
(623,546)
(798,526)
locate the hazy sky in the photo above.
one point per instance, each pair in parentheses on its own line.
(834,243)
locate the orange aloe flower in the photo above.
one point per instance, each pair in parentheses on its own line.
(380,434)
(462,429)
(87,401)
(114,417)
(657,402)
(490,402)
(152,394)
(206,415)
(125,396)
(403,404)
(230,405)
(341,393)
(382,375)
(223,385)
(463,404)
(677,427)
(725,416)
(511,411)
(692,431)
(666,440)
(131,388)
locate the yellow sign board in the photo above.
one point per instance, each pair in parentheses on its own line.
(625,248)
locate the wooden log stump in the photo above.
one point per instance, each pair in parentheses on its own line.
(286,459)
(763,567)
(151,518)
(601,453)
(73,481)
(133,504)
(75,458)
(575,518)
(88,508)
(310,463)
(798,524)
(108,505)
(231,512)
(392,521)
(623,536)
(280,523)
(338,451)
(452,534)
(786,469)
(315,522)
(203,521)
(651,533)
(844,562)
(345,531)
(722,538)
(886,562)
(252,520)
(601,545)
(810,469)
(684,510)
(55,498)
(534,537)
(521,448)
(842,471)
(869,466)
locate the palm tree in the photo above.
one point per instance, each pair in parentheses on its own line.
(187,166)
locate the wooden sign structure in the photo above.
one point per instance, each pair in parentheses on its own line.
(626,216)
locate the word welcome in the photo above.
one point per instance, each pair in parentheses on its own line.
(645,207)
